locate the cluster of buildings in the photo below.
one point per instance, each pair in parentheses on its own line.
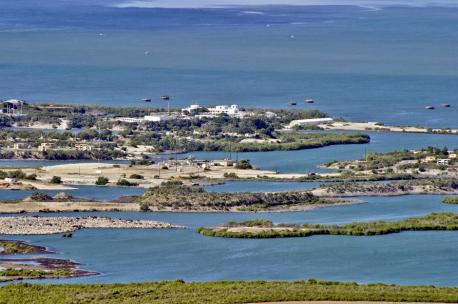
(45,146)
(193,110)
(441,161)
(180,164)
(232,110)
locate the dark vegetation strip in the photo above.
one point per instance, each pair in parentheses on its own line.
(450,200)
(433,221)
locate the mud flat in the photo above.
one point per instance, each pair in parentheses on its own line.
(27,225)
(40,268)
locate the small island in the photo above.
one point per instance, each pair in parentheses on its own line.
(266,229)
(175,196)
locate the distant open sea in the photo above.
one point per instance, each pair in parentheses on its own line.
(365,60)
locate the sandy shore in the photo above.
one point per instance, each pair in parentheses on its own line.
(87,173)
(28,225)
(375,126)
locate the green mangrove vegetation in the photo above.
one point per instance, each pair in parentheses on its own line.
(266,229)
(450,200)
(180,292)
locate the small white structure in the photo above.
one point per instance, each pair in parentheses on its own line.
(223,163)
(232,110)
(270,115)
(191,108)
(157,118)
(310,122)
(130,119)
(444,161)
(10,180)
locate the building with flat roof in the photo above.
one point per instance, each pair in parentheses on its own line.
(310,122)
(159,117)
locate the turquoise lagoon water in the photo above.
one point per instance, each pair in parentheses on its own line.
(146,255)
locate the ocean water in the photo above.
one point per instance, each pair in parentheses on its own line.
(367,60)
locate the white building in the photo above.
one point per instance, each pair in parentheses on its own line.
(444,161)
(191,108)
(159,117)
(310,122)
(130,119)
(232,110)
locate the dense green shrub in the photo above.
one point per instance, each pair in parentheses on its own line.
(125,182)
(101,181)
(56,180)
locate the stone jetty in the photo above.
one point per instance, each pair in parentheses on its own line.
(28,225)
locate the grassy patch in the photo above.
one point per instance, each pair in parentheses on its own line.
(220,292)
(450,200)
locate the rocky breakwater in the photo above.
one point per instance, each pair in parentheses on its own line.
(28,225)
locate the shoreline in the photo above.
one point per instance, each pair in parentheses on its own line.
(74,207)
(380,127)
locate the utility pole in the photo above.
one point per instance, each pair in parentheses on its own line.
(176,158)
(230,151)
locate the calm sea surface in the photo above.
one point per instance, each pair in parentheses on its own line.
(361,63)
